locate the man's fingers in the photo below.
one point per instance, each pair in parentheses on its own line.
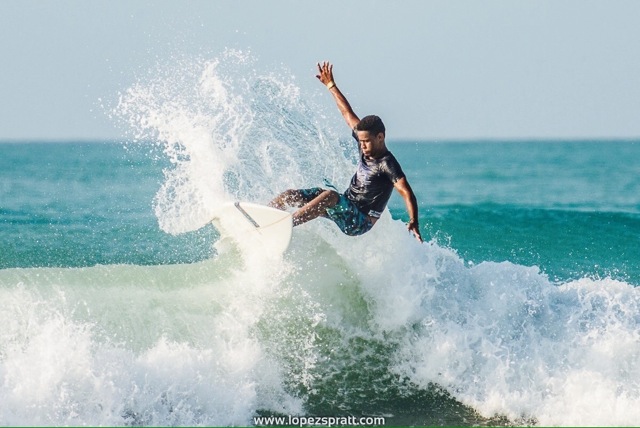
(326,66)
(415,231)
(325,69)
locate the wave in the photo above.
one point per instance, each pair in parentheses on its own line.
(337,326)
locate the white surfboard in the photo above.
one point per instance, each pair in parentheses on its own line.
(255,226)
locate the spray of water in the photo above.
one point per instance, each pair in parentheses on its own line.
(230,133)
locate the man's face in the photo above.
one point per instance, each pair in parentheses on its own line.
(371,144)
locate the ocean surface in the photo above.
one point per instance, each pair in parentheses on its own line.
(118,307)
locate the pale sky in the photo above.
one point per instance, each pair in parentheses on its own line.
(433,70)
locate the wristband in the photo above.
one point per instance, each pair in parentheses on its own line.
(331,84)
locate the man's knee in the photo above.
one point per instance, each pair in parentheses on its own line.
(329,198)
(291,195)
(283,199)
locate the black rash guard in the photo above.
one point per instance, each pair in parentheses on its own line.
(372,184)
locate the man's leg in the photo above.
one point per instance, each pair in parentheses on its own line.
(313,204)
(293,198)
(317,207)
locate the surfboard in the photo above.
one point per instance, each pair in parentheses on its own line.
(255,226)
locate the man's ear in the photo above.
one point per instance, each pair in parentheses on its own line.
(380,136)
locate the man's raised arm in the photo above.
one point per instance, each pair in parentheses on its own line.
(326,77)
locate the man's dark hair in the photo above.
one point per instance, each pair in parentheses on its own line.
(372,123)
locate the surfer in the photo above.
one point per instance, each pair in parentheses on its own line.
(378,172)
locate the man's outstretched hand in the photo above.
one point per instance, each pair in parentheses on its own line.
(326,73)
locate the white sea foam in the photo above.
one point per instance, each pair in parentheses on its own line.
(85,346)
(505,340)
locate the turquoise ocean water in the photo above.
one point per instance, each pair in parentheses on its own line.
(118,307)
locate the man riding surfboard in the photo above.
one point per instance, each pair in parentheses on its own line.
(377,174)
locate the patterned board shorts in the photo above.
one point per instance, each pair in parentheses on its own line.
(345,213)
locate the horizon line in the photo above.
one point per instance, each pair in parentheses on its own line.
(389,140)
